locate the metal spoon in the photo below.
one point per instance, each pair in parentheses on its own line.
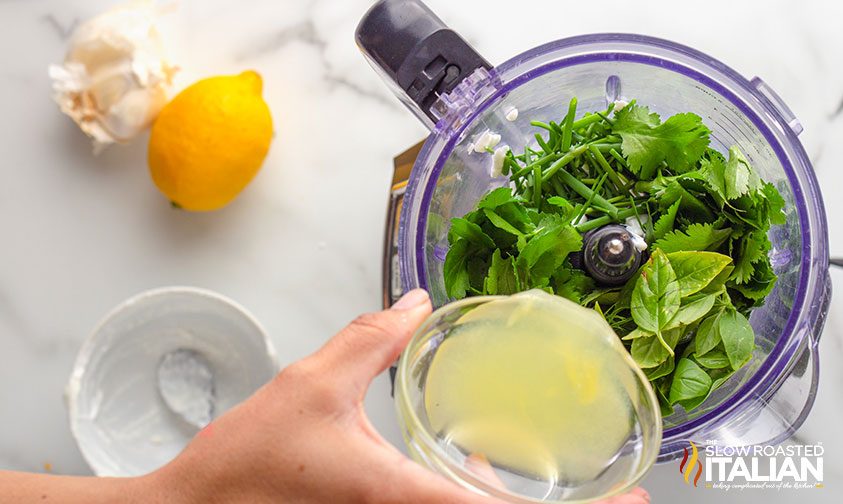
(186,383)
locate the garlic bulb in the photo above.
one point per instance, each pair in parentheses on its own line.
(115,77)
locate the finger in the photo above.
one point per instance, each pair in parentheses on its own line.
(423,486)
(372,342)
(478,464)
(635,496)
(641,493)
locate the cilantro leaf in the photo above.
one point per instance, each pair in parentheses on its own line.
(695,237)
(753,248)
(680,141)
(739,177)
(776,204)
(665,223)
(675,192)
(760,285)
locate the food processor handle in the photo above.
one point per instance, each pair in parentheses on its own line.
(417,55)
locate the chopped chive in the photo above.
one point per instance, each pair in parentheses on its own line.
(615,154)
(602,221)
(601,160)
(594,190)
(542,125)
(567,158)
(546,148)
(586,192)
(585,121)
(558,187)
(569,123)
(537,187)
(605,147)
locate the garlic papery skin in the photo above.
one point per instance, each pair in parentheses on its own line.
(116,76)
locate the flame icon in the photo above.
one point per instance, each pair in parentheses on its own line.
(686,470)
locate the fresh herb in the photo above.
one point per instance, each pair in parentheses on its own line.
(705,216)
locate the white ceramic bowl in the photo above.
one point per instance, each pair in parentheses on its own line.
(119,420)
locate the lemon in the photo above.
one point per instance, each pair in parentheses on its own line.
(210,141)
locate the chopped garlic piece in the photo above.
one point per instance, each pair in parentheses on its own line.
(115,76)
(512,114)
(497,160)
(582,220)
(633,225)
(486,140)
(619,105)
(635,222)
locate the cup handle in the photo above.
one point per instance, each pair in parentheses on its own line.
(415,53)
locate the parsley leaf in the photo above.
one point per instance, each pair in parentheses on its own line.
(544,253)
(502,278)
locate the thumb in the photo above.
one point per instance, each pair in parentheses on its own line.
(372,342)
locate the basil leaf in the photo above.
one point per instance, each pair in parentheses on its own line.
(692,311)
(664,403)
(708,334)
(663,369)
(689,382)
(637,333)
(715,359)
(738,337)
(717,285)
(649,351)
(655,300)
(695,270)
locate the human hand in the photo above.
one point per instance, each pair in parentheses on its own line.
(305,438)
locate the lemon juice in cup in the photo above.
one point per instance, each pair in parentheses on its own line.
(536,387)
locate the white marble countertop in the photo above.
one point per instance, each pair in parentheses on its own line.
(301,247)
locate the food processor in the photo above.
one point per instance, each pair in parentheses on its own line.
(458,95)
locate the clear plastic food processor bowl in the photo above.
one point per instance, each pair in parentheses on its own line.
(768,399)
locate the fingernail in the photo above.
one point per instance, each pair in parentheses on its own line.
(411,299)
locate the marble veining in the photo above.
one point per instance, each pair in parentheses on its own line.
(301,247)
